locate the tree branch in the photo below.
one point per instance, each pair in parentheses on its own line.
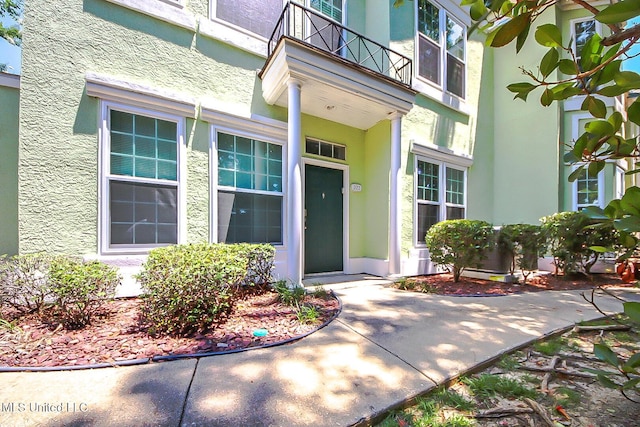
(629,33)
(614,28)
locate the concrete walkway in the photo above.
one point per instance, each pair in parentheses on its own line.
(386,346)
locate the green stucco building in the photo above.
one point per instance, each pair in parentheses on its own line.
(337,130)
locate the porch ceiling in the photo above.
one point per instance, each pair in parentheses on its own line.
(332,87)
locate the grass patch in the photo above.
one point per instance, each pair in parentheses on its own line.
(320,292)
(550,347)
(566,397)
(486,386)
(308,314)
(508,363)
(429,411)
(405,284)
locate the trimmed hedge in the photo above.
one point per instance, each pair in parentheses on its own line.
(80,288)
(190,287)
(459,243)
(56,287)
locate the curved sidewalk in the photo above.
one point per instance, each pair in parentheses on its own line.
(385,347)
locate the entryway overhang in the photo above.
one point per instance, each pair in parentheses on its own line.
(333,88)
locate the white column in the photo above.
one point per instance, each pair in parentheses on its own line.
(394,195)
(294,185)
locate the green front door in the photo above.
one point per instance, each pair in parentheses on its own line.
(323,237)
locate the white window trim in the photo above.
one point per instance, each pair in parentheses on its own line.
(575,205)
(427,87)
(442,191)
(128,92)
(104,140)
(269,131)
(572,29)
(171,11)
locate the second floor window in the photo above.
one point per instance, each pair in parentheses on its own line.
(441,49)
(582,32)
(258,17)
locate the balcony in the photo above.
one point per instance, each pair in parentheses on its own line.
(345,76)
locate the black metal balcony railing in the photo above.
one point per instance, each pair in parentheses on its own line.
(311,27)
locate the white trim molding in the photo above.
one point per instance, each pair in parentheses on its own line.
(10,80)
(255,124)
(436,152)
(104,139)
(128,92)
(171,11)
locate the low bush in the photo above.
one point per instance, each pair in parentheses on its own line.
(80,289)
(190,287)
(24,283)
(458,244)
(575,241)
(525,244)
(260,258)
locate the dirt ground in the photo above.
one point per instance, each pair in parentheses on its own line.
(118,333)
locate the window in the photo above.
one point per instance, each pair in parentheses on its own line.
(440,195)
(249,190)
(441,48)
(325,149)
(582,32)
(322,32)
(588,190)
(142,180)
(258,17)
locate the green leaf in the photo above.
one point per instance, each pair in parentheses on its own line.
(596,107)
(609,72)
(604,353)
(605,381)
(632,309)
(619,12)
(628,79)
(630,202)
(633,112)
(547,97)
(462,3)
(496,5)
(594,212)
(568,67)
(549,35)
(631,384)
(595,167)
(590,54)
(629,224)
(616,120)
(478,10)
(509,31)
(521,89)
(576,173)
(599,128)
(549,62)
(632,363)
(522,37)
(570,157)
(599,249)
(611,91)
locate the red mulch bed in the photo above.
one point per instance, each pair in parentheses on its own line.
(443,284)
(118,333)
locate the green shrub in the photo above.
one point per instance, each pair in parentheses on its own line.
(80,289)
(24,283)
(458,244)
(260,258)
(289,295)
(190,287)
(525,243)
(572,237)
